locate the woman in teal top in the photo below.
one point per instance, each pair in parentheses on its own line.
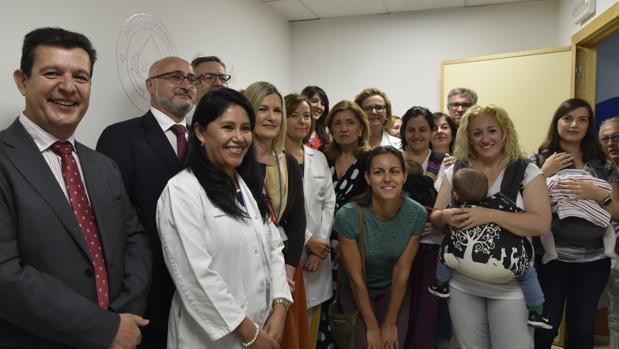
(392,227)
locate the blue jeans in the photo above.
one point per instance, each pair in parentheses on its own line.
(443,272)
(578,286)
(531,288)
(533,295)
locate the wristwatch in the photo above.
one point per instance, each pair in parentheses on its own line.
(282,301)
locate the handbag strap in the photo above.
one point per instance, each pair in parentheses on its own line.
(361,239)
(361,246)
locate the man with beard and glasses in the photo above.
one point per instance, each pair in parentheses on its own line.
(149,150)
(609,137)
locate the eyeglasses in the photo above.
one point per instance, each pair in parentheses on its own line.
(177,78)
(210,77)
(378,107)
(613,139)
(456,106)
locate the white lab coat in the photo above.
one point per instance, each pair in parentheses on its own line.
(391,140)
(319,212)
(224,269)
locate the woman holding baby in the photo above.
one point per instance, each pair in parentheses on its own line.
(487,141)
(575,266)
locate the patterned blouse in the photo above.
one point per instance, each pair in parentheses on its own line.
(351,184)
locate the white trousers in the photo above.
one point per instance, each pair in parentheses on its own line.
(484,323)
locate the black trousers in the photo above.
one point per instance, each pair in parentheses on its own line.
(581,285)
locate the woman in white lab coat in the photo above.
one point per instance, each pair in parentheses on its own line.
(223,253)
(319,208)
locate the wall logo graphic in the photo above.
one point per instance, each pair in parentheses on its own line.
(143,40)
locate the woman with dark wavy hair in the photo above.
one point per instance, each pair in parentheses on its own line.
(443,134)
(223,253)
(319,103)
(578,274)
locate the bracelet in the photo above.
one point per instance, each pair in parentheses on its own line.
(282,301)
(608,200)
(253,340)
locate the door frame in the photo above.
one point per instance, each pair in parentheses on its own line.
(584,52)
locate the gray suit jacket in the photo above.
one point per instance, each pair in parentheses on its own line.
(47,287)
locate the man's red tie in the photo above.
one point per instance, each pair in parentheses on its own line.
(181,141)
(85,218)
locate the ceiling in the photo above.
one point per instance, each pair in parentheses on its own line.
(309,10)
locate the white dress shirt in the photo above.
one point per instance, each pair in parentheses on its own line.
(166,123)
(44,141)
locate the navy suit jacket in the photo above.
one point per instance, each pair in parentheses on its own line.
(47,286)
(146,161)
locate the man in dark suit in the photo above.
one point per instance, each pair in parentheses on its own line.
(149,150)
(74,260)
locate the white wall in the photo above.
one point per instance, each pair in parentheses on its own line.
(401,53)
(251,38)
(567,28)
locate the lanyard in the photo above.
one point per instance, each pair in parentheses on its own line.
(276,215)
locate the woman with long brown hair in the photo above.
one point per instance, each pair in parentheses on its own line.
(319,209)
(578,275)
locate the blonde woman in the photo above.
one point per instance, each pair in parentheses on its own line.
(484,314)
(283,184)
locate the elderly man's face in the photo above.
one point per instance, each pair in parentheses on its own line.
(57,91)
(173,98)
(458,105)
(609,137)
(209,74)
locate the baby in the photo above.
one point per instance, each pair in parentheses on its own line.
(470,188)
(413,168)
(566,208)
(419,186)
